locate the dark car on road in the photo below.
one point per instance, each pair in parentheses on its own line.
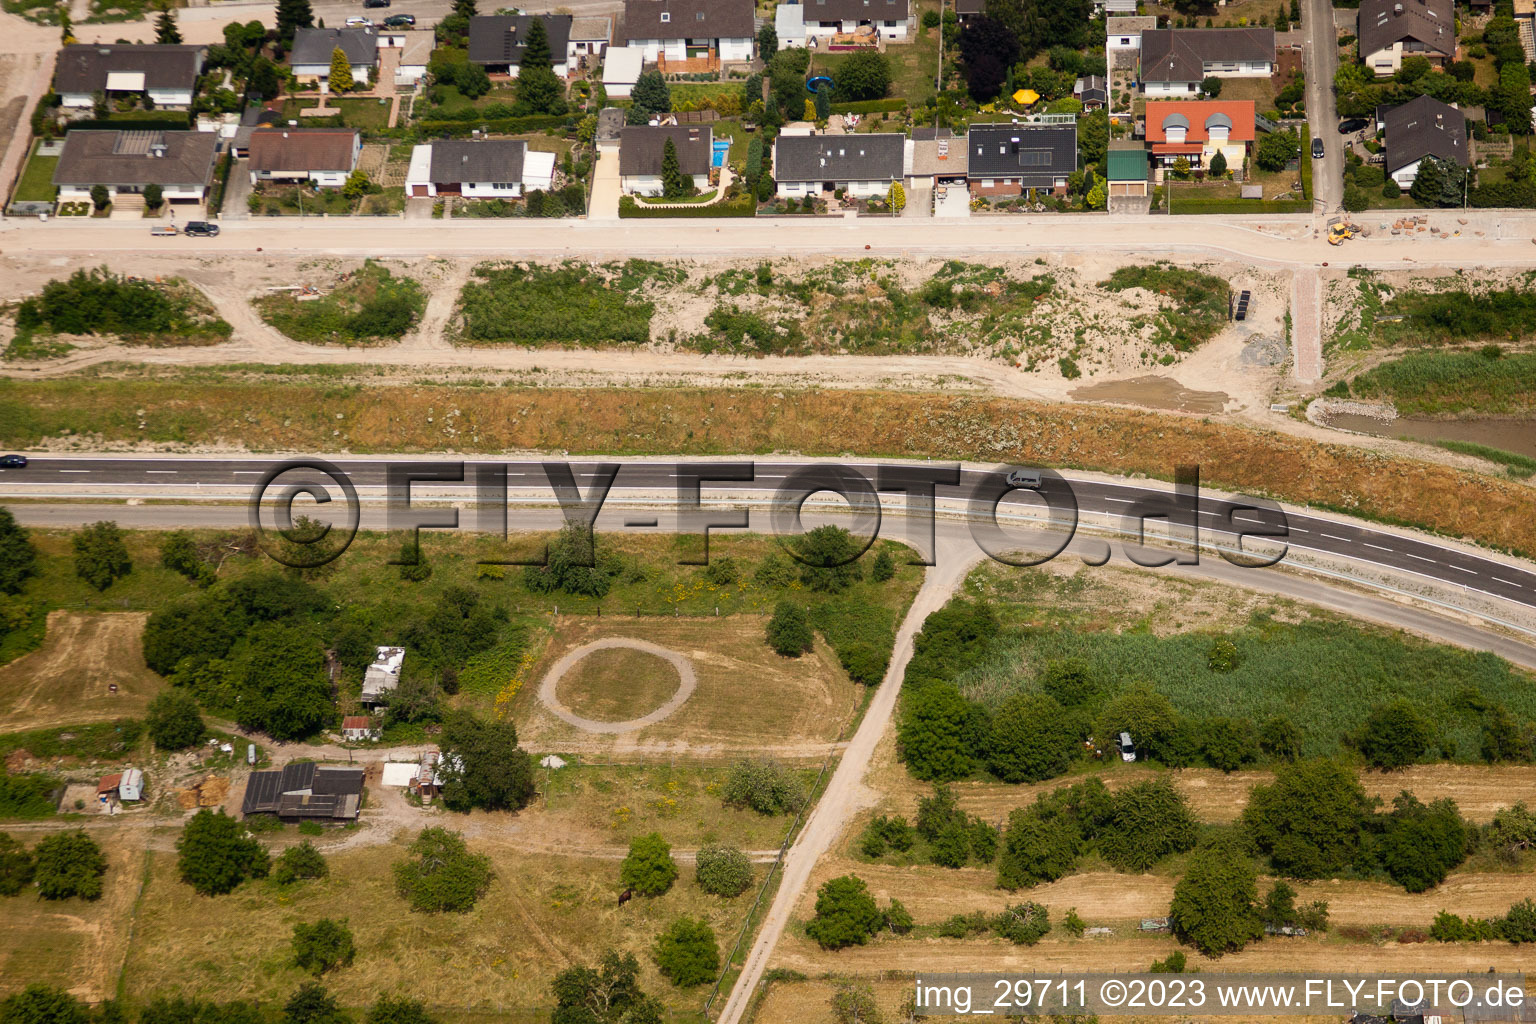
(1354,124)
(400,21)
(13,461)
(200,229)
(1317,149)
(375,3)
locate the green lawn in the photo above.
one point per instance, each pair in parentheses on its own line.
(914,65)
(740,139)
(364,113)
(36,184)
(695,91)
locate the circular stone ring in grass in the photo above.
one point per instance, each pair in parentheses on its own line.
(686,684)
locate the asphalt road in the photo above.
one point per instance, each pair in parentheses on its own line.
(1321,61)
(48,477)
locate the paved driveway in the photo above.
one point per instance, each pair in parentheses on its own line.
(605,188)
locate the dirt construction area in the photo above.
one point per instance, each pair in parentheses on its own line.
(69,680)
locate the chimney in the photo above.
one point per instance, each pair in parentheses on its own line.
(1397,10)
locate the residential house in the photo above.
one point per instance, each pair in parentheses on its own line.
(1420,128)
(383,675)
(1390,30)
(306,791)
(1197,129)
(324,157)
(934,157)
(590,37)
(889,18)
(497,41)
(415,53)
(708,32)
(1174,61)
(789,25)
(313,48)
(621,69)
(1092,91)
(1125,33)
(359,728)
(1114,7)
(1011,159)
(1126,171)
(642,147)
(162,76)
(1525,26)
(966,10)
(181,163)
(478,169)
(126,786)
(859,164)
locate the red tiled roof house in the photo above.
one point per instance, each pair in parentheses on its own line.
(1197,129)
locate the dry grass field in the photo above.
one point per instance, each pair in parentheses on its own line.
(617,685)
(748,698)
(542,914)
(67,680)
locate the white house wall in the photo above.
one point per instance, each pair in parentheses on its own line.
(1170,88)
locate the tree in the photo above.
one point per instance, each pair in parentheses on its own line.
(16,866)
(357,185)
(722,870)
(828,557)
(846,914)
(865,75)
(674,183)
(1394,736)
(173,720)
(340,78)
(1030,739)
(214,854)
(789,631)
(1149,821)
(1309,819)
(1024,924)
(1355,198)
(285,691)
(43,1004)
(854,1003)
(485,767)
(1144,713)
(178,552)
(608,994)
(299,862)
(687,953)
(934,732)
(1215,905)
(1037,848)
(398,1010)
(18,558)
(466,8)
(1423,843)
(1519,925)
(884,567)
(312,1004)
(1211,87)
(166,31)
(101,557)
(442,875)
(1218,165)
(1280,739)
(153,196)
(1275,150)
(821,104)
(988,48)
(897,198)
(291,15)
(650,94)
(1229,743)
(649,869)
(539,90)
(767,42)
(322,946)
(764,785)
(68,864)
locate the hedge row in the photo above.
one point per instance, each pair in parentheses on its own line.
(91,124)
(870,106)
(741,206)
(1203,206)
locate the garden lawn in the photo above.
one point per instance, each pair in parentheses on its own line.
(914,64)
(36,184)
(364,113)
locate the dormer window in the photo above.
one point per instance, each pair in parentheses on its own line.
(699,16)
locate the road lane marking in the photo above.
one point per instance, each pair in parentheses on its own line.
(1510,583)
(1123,501)
(160,471)
(1378,547)
(1296,529)
(1332,537)
(74,471)
(1465,569)
(1421,558)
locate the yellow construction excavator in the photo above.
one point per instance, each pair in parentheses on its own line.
(1340,230)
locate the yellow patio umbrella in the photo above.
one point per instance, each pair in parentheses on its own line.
(1026,97)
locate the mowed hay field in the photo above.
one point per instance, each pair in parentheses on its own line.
(74,944)
(543,913)
(67,681)
(747,696)
(618,684)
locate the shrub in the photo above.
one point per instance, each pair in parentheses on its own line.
(1519,925)
(1173,963)
(1229,743)
(886,832)
(173,720)
(1073,924)
(884,566)
(789,631)
(934,732)
(1037,848)
(43,1004)
(1148,821)
(1280,739)
(302,861)
(101,557)
(68,864)
(322,946)
(1024,924)
(1393,736)
(1215,904)
(1070,682)
(1029,740)
(828,557)
(687,953)
(398,1010)
(722,870)
(1423,843)
(178,552)
(649,869)
(214,854)
(846,914)
(16,866)
(764,785)
(1449,928)
(442,875)
(1309,819)
(18,558)
(312,1004)
(897,918)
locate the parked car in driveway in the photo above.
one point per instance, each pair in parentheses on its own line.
(1317,149)
(13,461)
(1352,125)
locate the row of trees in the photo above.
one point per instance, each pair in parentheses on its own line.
(310,1003)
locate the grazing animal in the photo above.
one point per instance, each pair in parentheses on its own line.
(626,896)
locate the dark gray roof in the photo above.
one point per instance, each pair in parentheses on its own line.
(264,790)
(1180,54)
(969,7)
(84,68)
(689,19)
(502,38)
(136,158)
(1385,22)
(337,780)
(1425,127)
(1035,153)
(1091,87)
(459,160)
(315,45)
(857,10)
(641,148)
(838,157)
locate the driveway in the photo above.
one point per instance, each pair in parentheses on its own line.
(605,188)
(237,192)
(1322,61)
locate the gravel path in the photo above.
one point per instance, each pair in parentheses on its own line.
(552,680)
